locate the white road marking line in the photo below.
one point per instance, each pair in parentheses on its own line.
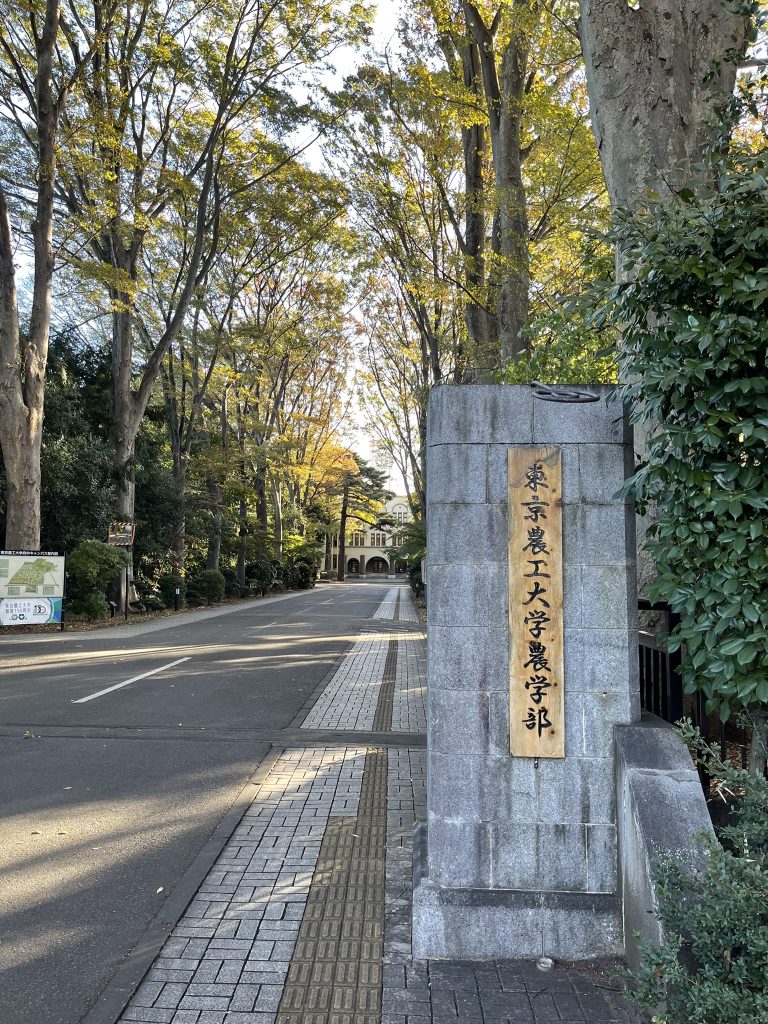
(127,682)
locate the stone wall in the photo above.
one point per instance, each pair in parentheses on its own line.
(518,856)
(661,810)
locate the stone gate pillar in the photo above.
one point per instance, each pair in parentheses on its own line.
(519,854)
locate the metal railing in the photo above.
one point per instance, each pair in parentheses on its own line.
(661,691)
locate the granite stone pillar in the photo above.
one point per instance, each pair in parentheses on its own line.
(519,858)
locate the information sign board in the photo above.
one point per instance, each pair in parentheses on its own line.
(31,587)
(38,611)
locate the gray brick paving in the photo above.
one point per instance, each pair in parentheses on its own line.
(407,609)
(349,700)
(351,697)
(409,713)
(229,955)
(388,607)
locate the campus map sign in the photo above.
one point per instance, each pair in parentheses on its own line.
(31,587)
(536,699)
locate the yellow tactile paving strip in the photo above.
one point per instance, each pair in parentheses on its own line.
(335,972)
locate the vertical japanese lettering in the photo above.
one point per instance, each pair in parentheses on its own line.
(535,603)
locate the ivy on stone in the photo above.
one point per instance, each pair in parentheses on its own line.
(692,308)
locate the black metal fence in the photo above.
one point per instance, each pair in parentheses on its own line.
(661,691)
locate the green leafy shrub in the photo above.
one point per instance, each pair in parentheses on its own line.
(415,579)
(93,565)
(149,594)
(694,320)
(210,583)
(304,573)
(232,586)
(293,573)
(91,604)
(714,967)
(260,575)
(289,576)
(279,581)
(168,584)
(195,597)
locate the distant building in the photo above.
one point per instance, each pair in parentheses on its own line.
(369,549)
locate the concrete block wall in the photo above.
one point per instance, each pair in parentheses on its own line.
(496,822)
(662,810)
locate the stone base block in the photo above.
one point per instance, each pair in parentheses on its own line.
(489,924)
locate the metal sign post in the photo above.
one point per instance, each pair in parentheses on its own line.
(121,535)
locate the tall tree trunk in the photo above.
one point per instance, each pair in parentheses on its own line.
(328,552)
(125,492)
(512,304)
(242,541)
(129,405)
(23,365)
(277,513)
(125,423)
(216,495)
(215,489)
(342,556)
(504,94)
(21,418)
(21,458)
(260,488)
(124,472)
(657,75)
(179,539)
(420,468)
(482,331)
(758,755)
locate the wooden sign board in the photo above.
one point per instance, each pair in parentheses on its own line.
(121,535)
(536,698)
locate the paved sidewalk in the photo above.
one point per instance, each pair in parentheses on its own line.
(305,917)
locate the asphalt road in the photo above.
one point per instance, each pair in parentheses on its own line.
(106,798)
